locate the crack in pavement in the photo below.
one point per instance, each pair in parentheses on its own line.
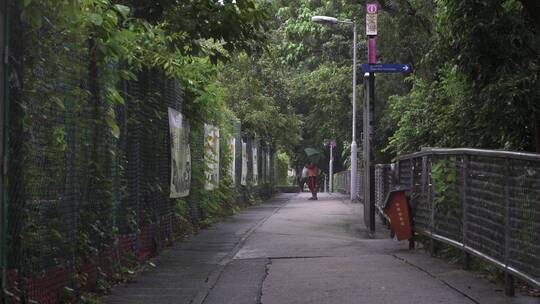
(436,278)
(214,276)
(266,273)
(300,257)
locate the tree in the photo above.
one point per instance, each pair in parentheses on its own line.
(484,76)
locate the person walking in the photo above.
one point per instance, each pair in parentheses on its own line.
(313,171)
(304,177)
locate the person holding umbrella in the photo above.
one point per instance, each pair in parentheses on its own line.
(313,171)
(313,156)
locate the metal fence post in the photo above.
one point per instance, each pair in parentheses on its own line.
(431,197)
(411,197)
(397,172)
(508,278)
(412,244)
(423,185)
(411,181)
(4,93)
(424,176)
(466,255)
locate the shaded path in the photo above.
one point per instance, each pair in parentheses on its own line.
(291,250)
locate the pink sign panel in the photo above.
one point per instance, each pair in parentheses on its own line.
(371,8)
(371,19)
(372,50)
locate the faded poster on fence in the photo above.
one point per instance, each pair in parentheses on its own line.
(243,179)
(211,156)
(255,165)
(268,167)
(180,155)
(263,165)
(232,165)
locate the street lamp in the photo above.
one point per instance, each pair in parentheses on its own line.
(354,147)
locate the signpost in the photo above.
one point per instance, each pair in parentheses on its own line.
(369,102)
(387,68)
(370,69)
(332,145)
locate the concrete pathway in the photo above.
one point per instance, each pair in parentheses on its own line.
(291,250)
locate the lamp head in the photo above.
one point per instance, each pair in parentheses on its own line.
(324,20)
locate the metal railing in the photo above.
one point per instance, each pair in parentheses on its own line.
(342,182)
(485,202)
(383,184)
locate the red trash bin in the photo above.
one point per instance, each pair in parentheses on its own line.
(397,208)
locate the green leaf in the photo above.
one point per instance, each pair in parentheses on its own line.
(96,19)
(123,10)
(27,3)
(33,15)
(115,129)
(115,97)
(59,102)
(127,75)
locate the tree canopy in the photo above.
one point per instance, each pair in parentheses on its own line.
(476,66)
(475,81)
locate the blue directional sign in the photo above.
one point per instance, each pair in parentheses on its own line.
(387,68)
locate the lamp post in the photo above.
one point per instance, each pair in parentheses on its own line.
(331,170)
(332,145)
(354,147)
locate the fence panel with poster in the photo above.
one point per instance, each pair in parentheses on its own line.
(245,165)
(180,155)
(211,156)
(87,195)
(255,162)
(232,166)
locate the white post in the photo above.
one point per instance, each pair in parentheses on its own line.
(354,147)
(331,170)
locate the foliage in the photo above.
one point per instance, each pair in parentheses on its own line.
(476,83)
(74,65)
(296,92)
(444,176)
(479,81)
(283,161)
(263,114)
(233,25)
(475,66)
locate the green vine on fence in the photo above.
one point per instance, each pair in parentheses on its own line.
(69,128)
(444,177)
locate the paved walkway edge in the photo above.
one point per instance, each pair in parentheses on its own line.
(216,274)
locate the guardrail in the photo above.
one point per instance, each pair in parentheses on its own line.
(342,182)
(485,202)
(383,183)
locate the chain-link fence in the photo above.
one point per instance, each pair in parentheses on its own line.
(485,202)
(88,181)
(384,180)
(342,182)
